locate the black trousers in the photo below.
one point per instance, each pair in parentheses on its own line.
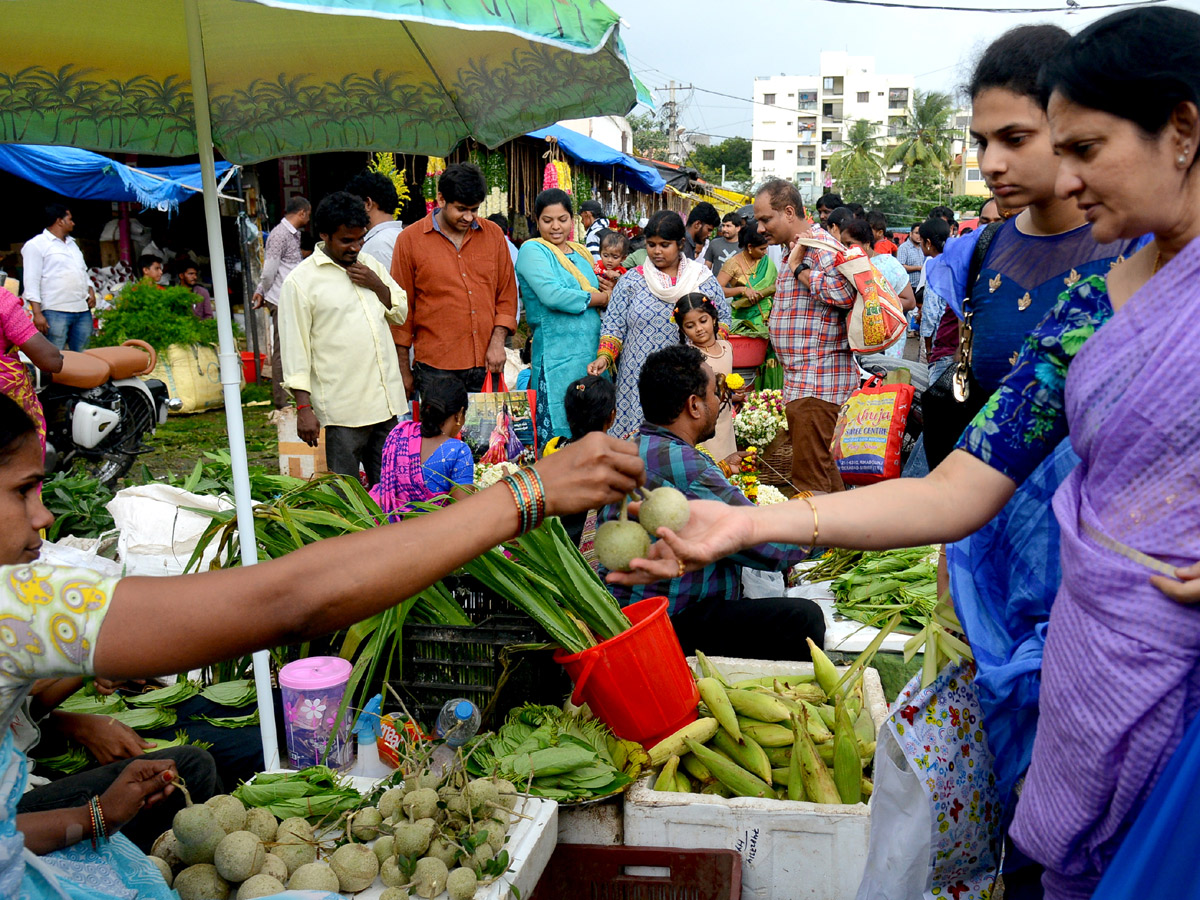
(472,379)
(767,628)
(346,447)
(197,767)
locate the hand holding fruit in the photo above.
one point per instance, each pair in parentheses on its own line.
(620,541)
(590,473)
(714,530)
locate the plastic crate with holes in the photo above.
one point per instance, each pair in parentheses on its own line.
(498,663)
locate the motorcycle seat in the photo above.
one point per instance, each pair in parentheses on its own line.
(82,370)
(124,362)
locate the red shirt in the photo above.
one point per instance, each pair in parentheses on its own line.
(885,246)
(456,295)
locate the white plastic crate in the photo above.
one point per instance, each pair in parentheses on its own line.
(531,842)
(801,851)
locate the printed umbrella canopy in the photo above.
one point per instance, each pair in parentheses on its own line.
(257,79)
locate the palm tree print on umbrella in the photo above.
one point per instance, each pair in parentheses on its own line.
(383,110)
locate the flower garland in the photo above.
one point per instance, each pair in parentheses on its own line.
(760,419)
(429,187)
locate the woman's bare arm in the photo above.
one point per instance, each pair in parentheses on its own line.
(955,500)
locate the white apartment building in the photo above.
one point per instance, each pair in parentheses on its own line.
(801,120)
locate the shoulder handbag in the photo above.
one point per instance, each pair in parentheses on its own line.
(950,403)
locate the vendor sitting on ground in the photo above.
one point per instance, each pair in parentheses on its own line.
(679,399)
(114,745)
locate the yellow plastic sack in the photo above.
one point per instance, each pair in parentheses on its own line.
(192,374)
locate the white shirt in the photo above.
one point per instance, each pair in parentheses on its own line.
(381,241)
(55,274)
(335,342)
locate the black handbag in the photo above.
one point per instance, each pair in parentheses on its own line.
(949,404)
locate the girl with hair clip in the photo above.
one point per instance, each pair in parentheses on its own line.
(638,320)
(696,317)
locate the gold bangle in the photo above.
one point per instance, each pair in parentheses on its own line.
(816,531)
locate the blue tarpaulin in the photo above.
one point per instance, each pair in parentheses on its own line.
(83,175)
(627,170)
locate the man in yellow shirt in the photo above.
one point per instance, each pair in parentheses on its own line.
(339,361)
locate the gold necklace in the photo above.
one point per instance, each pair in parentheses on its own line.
(1158,262)
(720,351)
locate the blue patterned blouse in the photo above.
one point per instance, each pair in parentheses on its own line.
(1025,419)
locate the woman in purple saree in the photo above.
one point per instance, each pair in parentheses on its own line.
(1113,366)
(425,460)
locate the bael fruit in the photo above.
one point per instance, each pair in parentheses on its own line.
(620,541)
(664,507)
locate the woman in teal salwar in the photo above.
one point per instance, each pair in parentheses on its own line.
(563,299)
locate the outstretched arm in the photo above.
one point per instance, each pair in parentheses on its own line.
(157,625)
(955,500)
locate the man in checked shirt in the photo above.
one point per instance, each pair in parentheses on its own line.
(808,330)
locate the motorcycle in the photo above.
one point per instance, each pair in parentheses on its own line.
(98,409)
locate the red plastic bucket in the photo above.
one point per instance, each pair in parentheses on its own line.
(748,352)
(637,683)
(248,365)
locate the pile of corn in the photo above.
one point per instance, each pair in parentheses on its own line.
(804,738)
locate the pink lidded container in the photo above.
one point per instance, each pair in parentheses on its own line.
(312,690)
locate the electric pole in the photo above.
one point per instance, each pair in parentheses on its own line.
(674,132)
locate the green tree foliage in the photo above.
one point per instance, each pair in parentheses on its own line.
(859,163)
(649,136)
(732,153)
(926,138)
(926,187)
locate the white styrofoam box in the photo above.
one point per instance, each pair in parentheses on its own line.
(531,842)
(596,822)
(841,634)
(801,851)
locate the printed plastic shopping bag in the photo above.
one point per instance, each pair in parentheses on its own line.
(935,813)
(870,432)
(501,424)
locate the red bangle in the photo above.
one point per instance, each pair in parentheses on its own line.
(300,406)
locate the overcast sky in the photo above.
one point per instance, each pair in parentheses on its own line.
(722,45)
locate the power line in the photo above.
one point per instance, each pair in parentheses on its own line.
(1071,6)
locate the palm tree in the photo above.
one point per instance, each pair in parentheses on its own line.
(859,159)
(927,136)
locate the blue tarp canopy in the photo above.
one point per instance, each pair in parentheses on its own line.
(83,175)
(628,170)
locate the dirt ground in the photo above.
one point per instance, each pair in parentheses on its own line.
(184,439)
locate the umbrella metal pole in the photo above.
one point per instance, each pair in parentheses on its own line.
(230,364)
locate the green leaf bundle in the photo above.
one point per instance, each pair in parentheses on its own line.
(171,695)
(148,719)
(231,693)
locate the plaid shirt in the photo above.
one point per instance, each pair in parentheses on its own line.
(808,329)
(671,460)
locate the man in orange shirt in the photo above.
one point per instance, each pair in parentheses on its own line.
(462,292)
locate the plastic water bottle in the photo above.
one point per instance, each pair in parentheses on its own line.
(457,722)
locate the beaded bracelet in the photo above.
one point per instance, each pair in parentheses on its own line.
(99,826)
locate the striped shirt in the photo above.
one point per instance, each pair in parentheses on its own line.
(672,461)
(808,329)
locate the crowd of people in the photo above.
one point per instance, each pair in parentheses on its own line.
(1066,500)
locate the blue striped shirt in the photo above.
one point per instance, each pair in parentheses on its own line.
(672,461)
